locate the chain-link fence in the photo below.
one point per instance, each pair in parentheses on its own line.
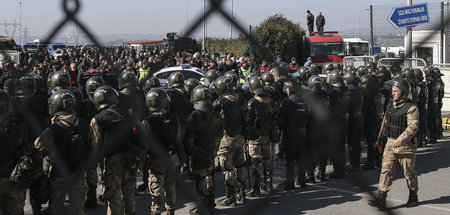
(382,31)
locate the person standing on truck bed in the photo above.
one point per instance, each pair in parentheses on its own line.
(320,22)
(310,21)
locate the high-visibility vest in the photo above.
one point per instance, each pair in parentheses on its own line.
(143,74)
(245,73)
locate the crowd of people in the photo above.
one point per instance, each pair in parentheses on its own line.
(101,107)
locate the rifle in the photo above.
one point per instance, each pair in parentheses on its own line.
(380,142)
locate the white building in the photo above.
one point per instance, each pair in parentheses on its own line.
(429,49)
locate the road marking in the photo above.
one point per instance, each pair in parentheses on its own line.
(365,194)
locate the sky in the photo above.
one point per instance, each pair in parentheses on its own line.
(161,16)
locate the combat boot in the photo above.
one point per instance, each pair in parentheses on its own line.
(413,200)
(255,192)
(268,187)
(242,195)
(228,201)
(170,212)
(380,201)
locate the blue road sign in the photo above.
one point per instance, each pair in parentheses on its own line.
(409,16)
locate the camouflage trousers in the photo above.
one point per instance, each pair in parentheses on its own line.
(204,183)
(12,198)
(77,196)
(259,151)
(119,181)
(389,167)
(162,185)
(231,155)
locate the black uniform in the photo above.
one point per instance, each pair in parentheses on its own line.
(433,100)
(355,125)
(292,121)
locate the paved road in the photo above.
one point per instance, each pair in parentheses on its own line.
(343,196)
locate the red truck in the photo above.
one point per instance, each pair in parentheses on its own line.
(324,47)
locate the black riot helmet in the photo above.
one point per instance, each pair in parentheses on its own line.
(383,74)
(4,102)
(223,85)
(60,79)
(418,75)
(336,79)
(62,102)
(150,83)
(304,72)
(233,76)
(395,68)
(26,86)
(408,73)
(427,70)
(404,86)
(176,80)
(92,84)
(350,77)
(105,97)
(361,70)
(279,71)
(211,76)
(256,85)
(126,79)
(293,85)
(314,70)
(157,100)
(314,81)
(201,98)
(327,67)
(399,75)
(190,84)
(349,69)
(369,81)
(268,79)
(437,71)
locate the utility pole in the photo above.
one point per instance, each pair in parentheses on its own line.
(408,37)
(20,23)
(187,16)
(204,27)
(359,18)
(232,17)
(25,34)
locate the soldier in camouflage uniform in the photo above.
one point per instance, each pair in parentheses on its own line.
(201,144)
(401,125)
(164,150)
(259,129)
(65,141)
(113,134)
(231,148)
(13,146)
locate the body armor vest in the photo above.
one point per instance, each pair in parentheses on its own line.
(397,119)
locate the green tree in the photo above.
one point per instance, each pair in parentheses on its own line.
(277,35)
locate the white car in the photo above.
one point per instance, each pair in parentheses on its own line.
(185,69)
(57,53)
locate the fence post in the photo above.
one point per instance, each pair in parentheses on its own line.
(442,33)
(251,49)
(371,30)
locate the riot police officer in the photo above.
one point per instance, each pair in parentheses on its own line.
(87,113)
(433,100)
(14,146)
(259,129)
(65,141)
(339,98)
(62,80)
(211,76)
(151,83)
(163,156)
(422,105)
(373,109)
(317,142)
(292,121)
(130,96)
(355,120)
(201,143)
(181,107)
(190,84)
(231,147)
(113,134)
(401,125)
